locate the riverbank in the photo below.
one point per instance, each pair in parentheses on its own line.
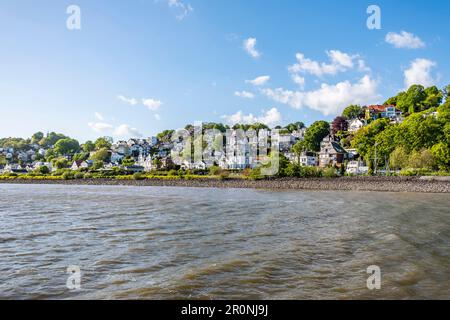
(383,184)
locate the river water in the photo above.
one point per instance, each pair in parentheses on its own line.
(172,243)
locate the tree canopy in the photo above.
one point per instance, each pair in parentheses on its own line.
(315,134)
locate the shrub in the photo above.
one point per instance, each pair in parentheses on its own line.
(255,174)
(138,176)
(214,170)
(67,175)
(173,172)
(88,175)
(329,173)
(79,175)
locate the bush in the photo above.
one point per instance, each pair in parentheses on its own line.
(173,172)
(214,170)
(329,173)
(79,175)
(138,176)
(43,170)
(88,176)
(68,175)
(255,174)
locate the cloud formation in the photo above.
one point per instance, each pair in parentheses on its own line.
(419,72)
(328,99)
(181,8)
(404,40)
(244,94)
(130,101)
(250,48)
(339,62)
(152,104)
(271,117)
(126,131)
(259,81)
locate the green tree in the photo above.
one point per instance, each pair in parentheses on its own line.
(298,149)
(101,155)
(352,112)
(43,170)
(433,98)
(98,164)
(423,159)
(441,153)
(103,142)
(128,161)
(60,163)
(37,137)
(399,158)
(315,134)
(51,139)
(88,146)
(295,126)
(67,146)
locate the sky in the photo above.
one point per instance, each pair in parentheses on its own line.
(134,68)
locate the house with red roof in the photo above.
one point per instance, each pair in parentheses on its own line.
(381,111)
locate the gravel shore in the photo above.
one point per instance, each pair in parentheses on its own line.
(386,184)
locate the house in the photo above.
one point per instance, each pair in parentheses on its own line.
(331,152)
(80,164)
(14,168)
(117,157)
(37,165)
(356,124)
(380,111)
(145,162)
(134,168)
(356,167)
(308,159)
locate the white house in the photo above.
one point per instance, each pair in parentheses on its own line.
(308,159)
(79,164)
(355,124)
(356,167)
(145,162)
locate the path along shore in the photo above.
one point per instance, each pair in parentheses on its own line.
(382,184)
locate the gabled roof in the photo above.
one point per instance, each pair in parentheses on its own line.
(379,108)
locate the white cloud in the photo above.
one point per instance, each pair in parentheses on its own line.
(152,104)
(250,48)
(130,101)
(157,117)
(100,127)
(419,72)
(182,9)
(298,80)
(244,94)
(328,99)
(271,117)
(98,116)
(404,40)
(259,81)
(125,130)
(339,62)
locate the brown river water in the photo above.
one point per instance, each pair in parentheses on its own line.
(175,243)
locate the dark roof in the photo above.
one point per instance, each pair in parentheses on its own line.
(338,147)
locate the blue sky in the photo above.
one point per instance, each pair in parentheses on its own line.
(139,67)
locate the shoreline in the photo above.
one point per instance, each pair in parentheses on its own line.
(376,184)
